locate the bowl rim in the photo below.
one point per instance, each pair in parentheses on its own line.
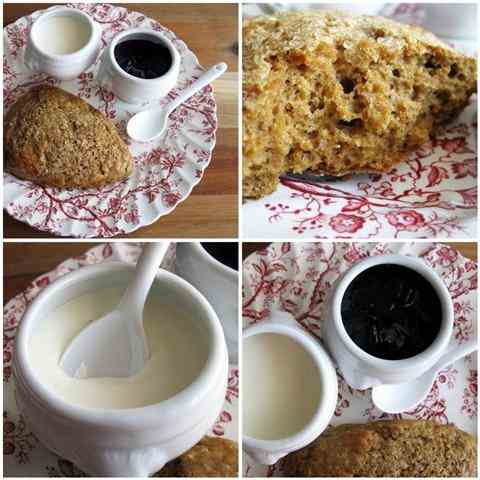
(137,418)
(64,11)
(216,264)
(174,67)
(419,266)
(328,396)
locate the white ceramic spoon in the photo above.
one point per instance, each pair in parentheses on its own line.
(115,345)
(147,125)
(402,397)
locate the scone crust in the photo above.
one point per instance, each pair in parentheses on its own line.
(390,448)
(211,457)
(338,93)
(54,138)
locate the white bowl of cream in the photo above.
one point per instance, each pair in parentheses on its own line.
(63,42)
(121,427)
(289,390)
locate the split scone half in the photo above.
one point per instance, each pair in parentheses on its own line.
(337,93)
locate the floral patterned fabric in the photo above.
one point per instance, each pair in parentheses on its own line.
(23,455)
(295,277)
(166,170)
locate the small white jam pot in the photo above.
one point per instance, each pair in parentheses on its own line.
(134,442)
(268,452)
(132,89)
(62,66)
(219,284)
(362,370)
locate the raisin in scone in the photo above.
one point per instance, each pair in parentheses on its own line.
(337,93)
(390,448)
(54,138)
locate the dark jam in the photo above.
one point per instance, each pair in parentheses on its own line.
(226,253)
(391,312)
(143,58)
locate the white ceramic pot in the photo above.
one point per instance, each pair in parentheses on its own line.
(217,282)
(66,66)
(268,452)
(132,89)
(451,20)
(133,442)
(362,370)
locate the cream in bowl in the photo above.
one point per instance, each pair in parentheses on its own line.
(62,34)
(63,42)
(178,351)
(140,65)
(289,390)
(388,319)
(278,368)
(121,426)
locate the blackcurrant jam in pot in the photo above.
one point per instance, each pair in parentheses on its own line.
(226,253)
(391,312)
(143,58)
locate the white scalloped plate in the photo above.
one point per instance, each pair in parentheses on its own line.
(166,170)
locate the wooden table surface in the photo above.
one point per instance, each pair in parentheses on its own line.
(25,261)
(211,32)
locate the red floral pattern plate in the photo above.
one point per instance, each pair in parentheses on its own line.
(431,195)
(23,455)
(166,170)
(295,277)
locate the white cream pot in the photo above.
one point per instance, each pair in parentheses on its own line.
(66,66)
(269,452)
(133,442)
(217,282)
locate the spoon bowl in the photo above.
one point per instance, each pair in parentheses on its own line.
(150,124)
(147,125)
(402,397)
(115,345)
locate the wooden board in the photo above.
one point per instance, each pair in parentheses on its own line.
(211,32)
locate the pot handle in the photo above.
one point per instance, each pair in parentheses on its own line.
(263,457)
(119,463)
(97,31)
(285,318)
(105,74)
(29,59)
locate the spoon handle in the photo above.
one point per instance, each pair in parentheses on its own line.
(133,299)
(206,78)
(456,353)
